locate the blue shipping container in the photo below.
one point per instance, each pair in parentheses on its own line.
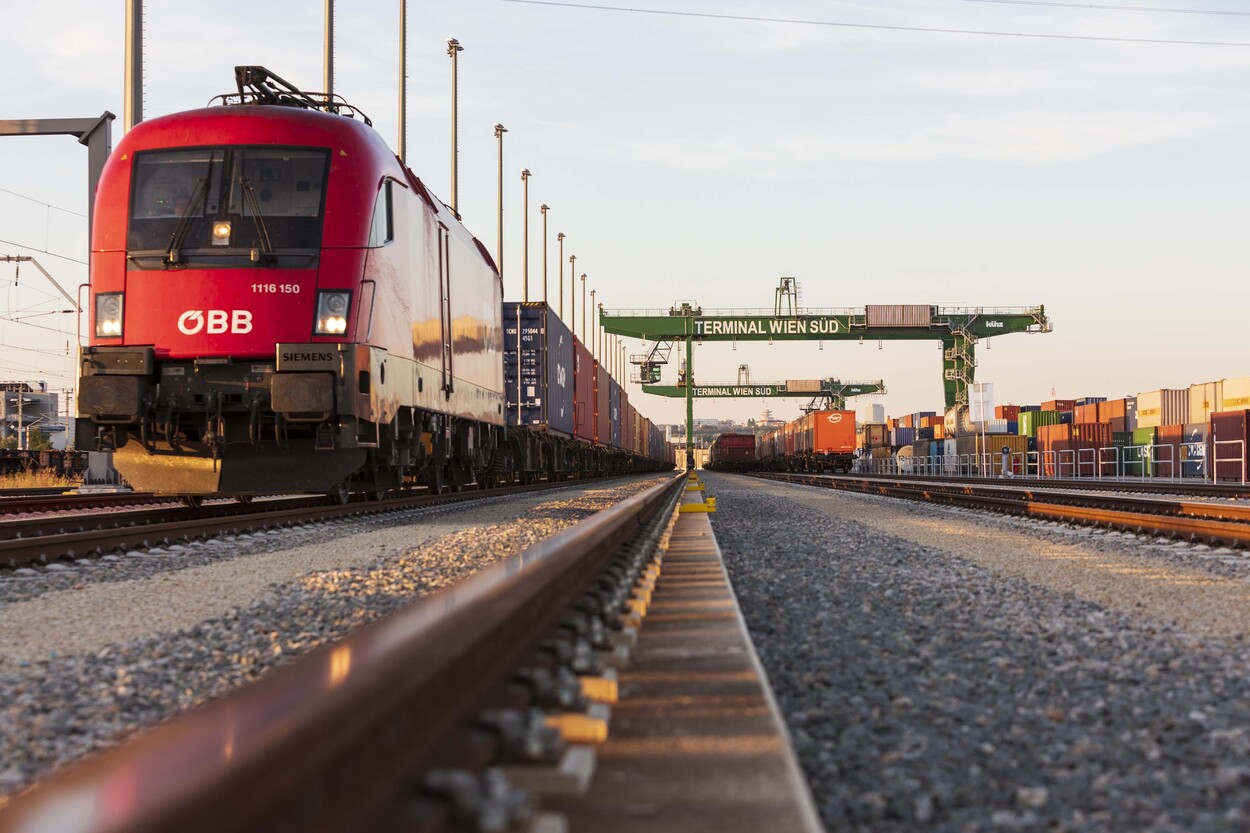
(614,404)
(538,378)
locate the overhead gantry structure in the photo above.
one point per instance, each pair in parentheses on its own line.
(957,328)
(830,394)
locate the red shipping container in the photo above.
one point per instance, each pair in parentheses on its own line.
(1230,439)
(1119,425)
(1051,441)
(583,392)
(1167,455)
(1059,405)
(627,423)
(603,407)
(1008,412)
(1087,439)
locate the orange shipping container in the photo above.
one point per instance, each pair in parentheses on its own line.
(1086,413)
(826,432)
(1111,409)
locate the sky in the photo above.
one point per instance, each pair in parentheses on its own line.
(701,158)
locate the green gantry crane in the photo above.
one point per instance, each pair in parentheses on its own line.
(831,394)
(957,328)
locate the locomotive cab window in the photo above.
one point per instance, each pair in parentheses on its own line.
(227,206)
(382,230)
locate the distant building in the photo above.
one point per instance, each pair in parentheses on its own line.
(24,407)
(873,413)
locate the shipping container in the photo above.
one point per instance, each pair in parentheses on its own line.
(975,444)
(1162,407)
(1130,412)
(538,368)
(1169,440)
(1204,399)
(1059,405)
(1111,409)
(1029,421)
(1236,394)
(1008,412)
(614,408)
(826,432)
(874,435)
(1139,457)
(1024,409)
(1090,400)
(1195,450)
(1230,440)
(603,406)
(899,315)
(584,388)
(903,435)
(1087,412)
(1075,448)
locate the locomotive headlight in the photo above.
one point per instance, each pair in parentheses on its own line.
(108,314)
(332,312)
(221,233)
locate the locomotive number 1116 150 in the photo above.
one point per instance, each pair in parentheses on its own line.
(276,288)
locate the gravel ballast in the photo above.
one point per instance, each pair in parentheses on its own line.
(109,646)
(944,670)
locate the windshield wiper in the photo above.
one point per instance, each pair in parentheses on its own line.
(262,232)
(184,221)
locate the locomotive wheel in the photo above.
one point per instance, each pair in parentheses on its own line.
(243,499)
(376,495)
(192,501)
(340,494)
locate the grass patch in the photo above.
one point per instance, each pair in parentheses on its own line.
(38,480)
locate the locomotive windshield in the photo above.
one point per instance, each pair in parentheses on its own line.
(227,206)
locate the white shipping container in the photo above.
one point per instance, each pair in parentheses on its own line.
(993,426)
(1162,407)
(1236,394)
(1205,398)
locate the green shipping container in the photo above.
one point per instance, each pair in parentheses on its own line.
(1138,461)
(1029,421)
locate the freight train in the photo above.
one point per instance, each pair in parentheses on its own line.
(279,304)
(732,452)
(817,441)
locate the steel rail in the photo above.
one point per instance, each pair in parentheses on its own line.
(70,502)
(1223,524)
(338,739)
(1233,491)
(42,540)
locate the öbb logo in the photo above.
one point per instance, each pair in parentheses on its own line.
(215,321)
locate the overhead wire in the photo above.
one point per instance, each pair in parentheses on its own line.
(1110,8)
(877,26)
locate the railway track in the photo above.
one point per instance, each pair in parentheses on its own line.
(1229,491)
(71,502)
(44,539)
(1226,524)
(400,725)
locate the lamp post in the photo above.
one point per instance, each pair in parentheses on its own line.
(573,295)
(544,208)
(453,49)
(560,261)
(584,330)
(525,229)
(499,131)
(592,332)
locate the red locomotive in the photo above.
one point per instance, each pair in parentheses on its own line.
(279,304)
